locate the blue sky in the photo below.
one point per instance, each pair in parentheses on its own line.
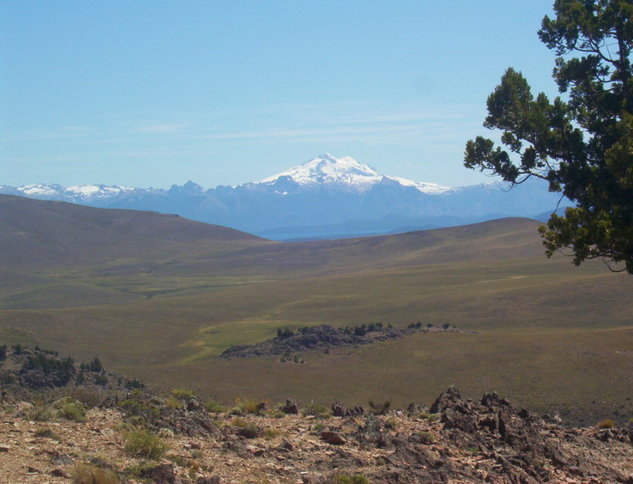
(151,93)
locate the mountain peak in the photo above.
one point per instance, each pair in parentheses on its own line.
(326,169)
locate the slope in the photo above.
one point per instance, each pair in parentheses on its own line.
(550,335)
(34,232)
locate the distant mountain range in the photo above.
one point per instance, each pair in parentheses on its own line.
(325,197)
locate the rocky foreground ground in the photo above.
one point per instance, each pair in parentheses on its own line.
(60,422)
(457,441)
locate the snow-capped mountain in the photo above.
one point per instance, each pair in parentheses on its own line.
(323,197)
(346,171)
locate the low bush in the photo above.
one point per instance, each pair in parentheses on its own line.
(316,410)
(246,429)
(145,444)
(379,408)
(88,474)
(426,438)
(47,434)
(248,405)
(182,394)
(88,396)
(214,407)
(350,479)
(606,424)
(40,413)
(74,411)
(172,402)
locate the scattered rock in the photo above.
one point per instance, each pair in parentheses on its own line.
(325,337)
(159,474)
(332,438)
(338,410)
(290,407)
(355,412)
(209,480)
(59,472)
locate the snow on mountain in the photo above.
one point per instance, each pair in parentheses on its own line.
(424,187)
(327,170)
(324,196)
(37,190)
(95,191)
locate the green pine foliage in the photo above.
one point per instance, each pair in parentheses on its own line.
(581,142)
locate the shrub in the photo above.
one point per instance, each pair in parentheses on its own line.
(172,402)
(3,352)
(214,407)
(426,438)
(40,413)
(246,429)
(391,423)
(284,333)
(270,434)
(101,380)
(89,397)
(143,443)
(606,424)
(133,384)
(349,479)
(380,408)
(73,411)
(182,394)
(431,417)
(140,470)
(316,410)
(88,474)
(139,408)
(178,460)
(249,405)
(47,434)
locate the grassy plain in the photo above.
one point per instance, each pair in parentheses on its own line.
(549,335)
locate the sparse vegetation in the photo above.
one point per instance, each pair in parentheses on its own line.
(606,424)
(249,405)
(316,410)
(246,428)
(380,408)
(426,438)
(350,479)
(271,433)
(40,413)
(213,406)
(84,473)
(145,444)
(73,411)
(46,433)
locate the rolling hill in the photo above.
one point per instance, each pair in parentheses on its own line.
(159,297)
(36,232)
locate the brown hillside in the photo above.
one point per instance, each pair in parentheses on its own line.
(33,231)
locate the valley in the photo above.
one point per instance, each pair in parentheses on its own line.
(162,301)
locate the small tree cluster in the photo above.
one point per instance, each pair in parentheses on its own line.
(60,369)
(363,329)
(95,365)
(283,333)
